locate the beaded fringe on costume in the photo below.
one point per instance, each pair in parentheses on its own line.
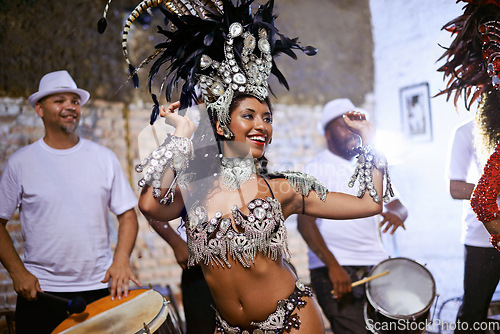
(280,321)
(263,227)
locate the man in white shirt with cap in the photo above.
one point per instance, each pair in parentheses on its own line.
(343,251)
(63,186)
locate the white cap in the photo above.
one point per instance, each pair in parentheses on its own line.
(334,109)
(57,82)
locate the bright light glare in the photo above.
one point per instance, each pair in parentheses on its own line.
(394,145)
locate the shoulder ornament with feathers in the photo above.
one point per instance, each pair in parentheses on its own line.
(473,57)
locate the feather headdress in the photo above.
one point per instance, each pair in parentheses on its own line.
(217,46)
(473,57)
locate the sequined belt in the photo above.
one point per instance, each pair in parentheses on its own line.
(280,321)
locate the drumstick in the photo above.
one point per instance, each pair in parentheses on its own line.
(367,279)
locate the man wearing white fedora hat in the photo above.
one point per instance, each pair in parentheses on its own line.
(63,186)
(343,251)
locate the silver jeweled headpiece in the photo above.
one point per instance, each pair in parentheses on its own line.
(228,77)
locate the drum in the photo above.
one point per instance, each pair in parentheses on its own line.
(400,301)
(143,311)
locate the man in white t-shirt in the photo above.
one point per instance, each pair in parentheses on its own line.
(63,186)
(481,260)
(343,251)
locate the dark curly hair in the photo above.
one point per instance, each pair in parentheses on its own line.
(487,123)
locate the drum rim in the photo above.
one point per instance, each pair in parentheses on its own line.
(366,316)
(400,316)
(153,325)
(137,293)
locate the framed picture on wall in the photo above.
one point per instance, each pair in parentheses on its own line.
(416,111)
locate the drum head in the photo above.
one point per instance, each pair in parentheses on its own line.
(405,293)
(127,315)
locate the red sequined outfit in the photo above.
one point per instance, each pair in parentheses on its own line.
(485,195)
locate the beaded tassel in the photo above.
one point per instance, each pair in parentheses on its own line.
(367,160)
(175,152)
(304,183)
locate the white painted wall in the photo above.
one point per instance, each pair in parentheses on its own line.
(407,35)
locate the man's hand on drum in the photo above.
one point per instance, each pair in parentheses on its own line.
(120,274)
(341,281)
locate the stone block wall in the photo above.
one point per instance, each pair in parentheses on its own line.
(341,30)
(117,126)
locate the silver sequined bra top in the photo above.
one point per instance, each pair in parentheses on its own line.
(214,240)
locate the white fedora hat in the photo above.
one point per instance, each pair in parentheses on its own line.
(57,82)
(334,109)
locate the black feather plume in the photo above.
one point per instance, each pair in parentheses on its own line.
(133,73)
(155,111)
(101,25)
(194,36)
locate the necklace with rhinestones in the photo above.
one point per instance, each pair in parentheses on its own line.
(236,171)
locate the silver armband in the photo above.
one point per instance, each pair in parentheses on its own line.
(174,153)
(368,159)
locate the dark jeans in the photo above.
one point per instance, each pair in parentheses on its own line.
(44,315)
(345,316)
(481,275)
(197,300)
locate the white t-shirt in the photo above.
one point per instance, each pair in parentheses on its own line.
(354,242)
(63,197)
(464,165)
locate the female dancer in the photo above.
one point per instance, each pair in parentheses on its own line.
(212,170)
(253,287)
(473,65)
(484,200)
